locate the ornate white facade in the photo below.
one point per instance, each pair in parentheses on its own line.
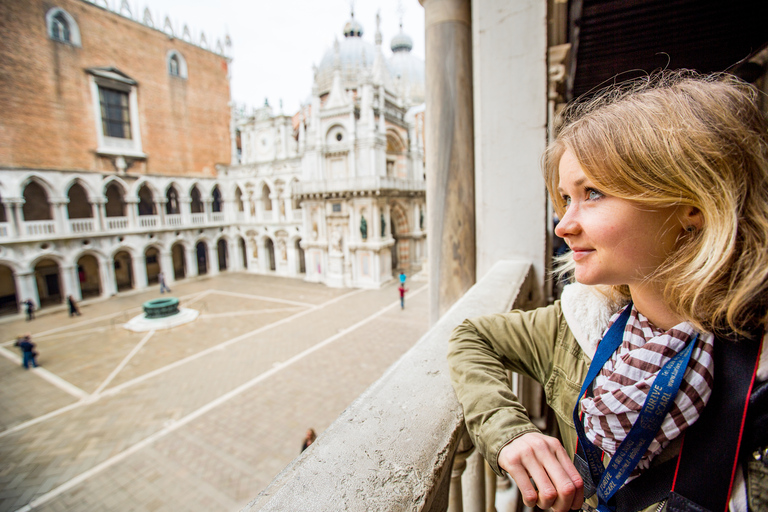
(353,161)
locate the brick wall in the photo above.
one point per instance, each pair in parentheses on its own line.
(47,114)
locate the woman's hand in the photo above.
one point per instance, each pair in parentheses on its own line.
(543,459)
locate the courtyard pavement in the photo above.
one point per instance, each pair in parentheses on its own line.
(200,417)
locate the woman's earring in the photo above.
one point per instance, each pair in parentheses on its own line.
(691,228)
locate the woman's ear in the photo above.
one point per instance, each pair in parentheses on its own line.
(691,218)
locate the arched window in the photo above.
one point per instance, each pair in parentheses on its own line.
(62,27)
(177,65)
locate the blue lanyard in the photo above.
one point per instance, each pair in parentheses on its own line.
(657,404)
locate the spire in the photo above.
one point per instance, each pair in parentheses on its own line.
(378,27)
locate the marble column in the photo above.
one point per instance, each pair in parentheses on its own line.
(26,288)
(132,206)
(60,215)
(190,262)
(213,259)
(70,282)
(166,266)
(449,152)
(139,263)
(107,275)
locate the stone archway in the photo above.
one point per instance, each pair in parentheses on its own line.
(223,253)
(48,280)
(123,264)
(152,262)
(179,262)
(401,250)
(9,300)
(88,276)
(202,258)
(243,252)
(300,257)
(271,254)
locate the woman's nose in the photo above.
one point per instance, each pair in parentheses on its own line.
(568,224)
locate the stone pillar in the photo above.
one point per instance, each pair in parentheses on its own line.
(99,207)
(107,275)
(160,209)
(139,263)
(132,207)
(450,152)
(166,266)
(511,198)
(473,484)
(208,209)
(190,261)
(70,282)
(13,210)
(213,259)
(185,209)
(463,451)
(26,288)
(60,216)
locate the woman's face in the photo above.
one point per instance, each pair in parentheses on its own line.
(614,241)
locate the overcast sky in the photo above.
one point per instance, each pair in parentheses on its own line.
(275,43)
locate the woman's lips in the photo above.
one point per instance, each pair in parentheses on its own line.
(581,253)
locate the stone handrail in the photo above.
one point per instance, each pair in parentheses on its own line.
(393,448)
(358,184)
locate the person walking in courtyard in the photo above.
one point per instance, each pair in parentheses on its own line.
(73,309)
(28,353)
(29,308)
(163,286)
(309,439)
(402,289)
(402,278)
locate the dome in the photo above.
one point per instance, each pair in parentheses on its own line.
(355,58)
(402,42)
(407,70)
(353,28)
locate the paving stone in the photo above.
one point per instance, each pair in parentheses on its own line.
(210,453)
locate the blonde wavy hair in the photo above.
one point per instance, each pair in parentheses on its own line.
(679,138)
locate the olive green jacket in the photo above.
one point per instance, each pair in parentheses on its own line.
(553,345)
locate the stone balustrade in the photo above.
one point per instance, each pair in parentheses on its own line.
(358,184)
(394,447)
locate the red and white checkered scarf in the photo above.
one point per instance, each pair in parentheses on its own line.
(622,385)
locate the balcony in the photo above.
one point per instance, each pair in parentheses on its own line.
(198,219)
(149,221)
(39,227)
(81,225)
(359,184)
(117,223)
(394,447)
(267,215)
(173,219)
(217,217)
(4,230)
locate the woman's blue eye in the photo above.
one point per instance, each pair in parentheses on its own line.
(594,194)
(566,201)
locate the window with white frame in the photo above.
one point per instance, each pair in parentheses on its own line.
(177,65)
(115,105)
(62,27)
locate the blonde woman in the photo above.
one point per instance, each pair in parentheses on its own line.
(661,186)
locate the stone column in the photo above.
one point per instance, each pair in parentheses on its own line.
(185,209)
(511,204)
(455,496)
(99,207)
(208,209)
(70,282)
(15,228)
(190,261)
(213,258)
(166,266)
(160,209)
(450,152)
(132,207)
(26,288)
(107,275)
(60,216)
(139,263)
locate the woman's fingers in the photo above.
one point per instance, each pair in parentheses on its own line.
(542,459)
